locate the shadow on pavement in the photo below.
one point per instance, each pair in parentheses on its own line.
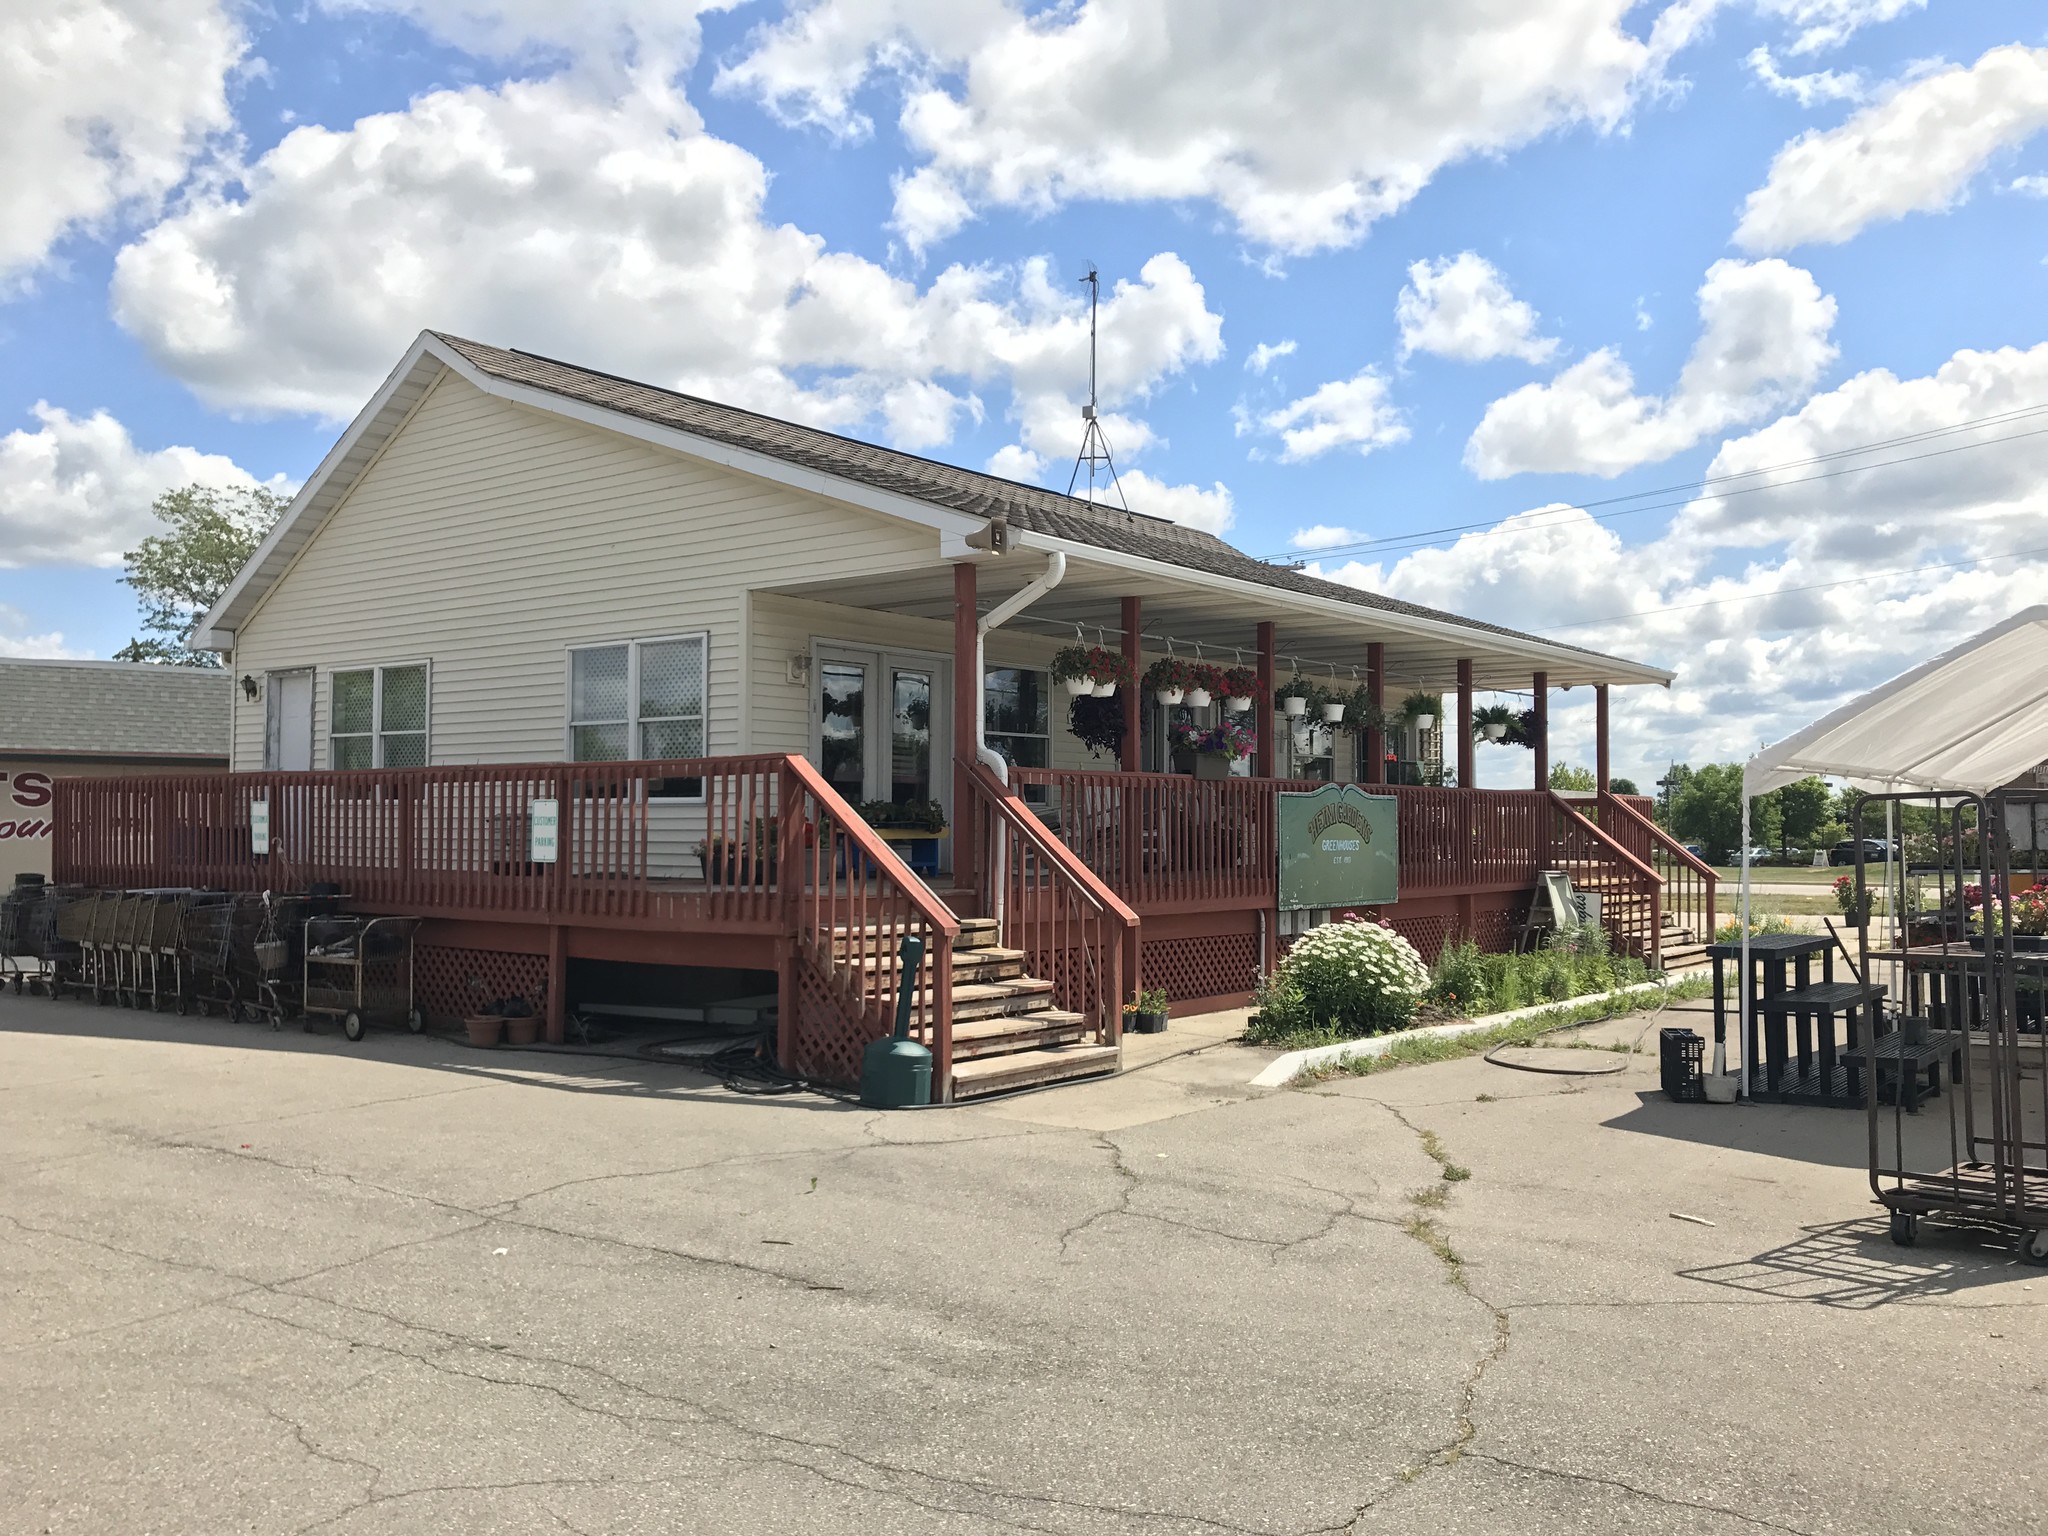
(1856,1266)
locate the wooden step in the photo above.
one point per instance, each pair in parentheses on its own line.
(995,999)
(977,933)
(990,964)
(1024,1069)
(982,1038)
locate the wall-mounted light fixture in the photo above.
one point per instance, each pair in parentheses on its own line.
(249,687)
(800,667)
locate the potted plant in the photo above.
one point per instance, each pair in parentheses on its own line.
(1167,678)
(1493,722)
(1856,905)
(1099,724)
(1361,714)
(1334,705)
(1107,669)
(1215,747)
(1071,668)
(522,1023)
(1240,688)
(1205,685)
(744,858)
(1422,710)
(1292,697)
(1146,1014)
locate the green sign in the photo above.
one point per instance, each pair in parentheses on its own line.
(1338,848)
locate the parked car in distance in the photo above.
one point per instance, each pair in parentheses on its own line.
(1875,850)
(1694,850)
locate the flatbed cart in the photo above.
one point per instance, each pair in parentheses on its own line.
(359,970)
(1966,1030)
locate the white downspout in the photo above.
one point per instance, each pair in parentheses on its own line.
(998,616)
(987,756)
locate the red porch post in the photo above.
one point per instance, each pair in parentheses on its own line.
(966,712)
(1542,752)
(1601,762)
(1376,690)
(1134,610)
(1262,760)
(1467,767)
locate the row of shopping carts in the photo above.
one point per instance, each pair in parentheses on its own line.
(239,955)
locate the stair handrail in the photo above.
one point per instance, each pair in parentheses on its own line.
(815,939)
(1673,849)
(1630,864)
(1012,807)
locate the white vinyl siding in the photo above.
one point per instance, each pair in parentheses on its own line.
(494,538)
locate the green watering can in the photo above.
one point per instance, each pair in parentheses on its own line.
(896,1073)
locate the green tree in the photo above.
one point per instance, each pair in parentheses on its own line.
(1622,786)
(1803,811)
(1708,810)
(1570,776)
(179,574)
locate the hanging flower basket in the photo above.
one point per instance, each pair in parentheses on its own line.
(1070,668)
(1238,688)
(1333,711)
(1107,669)
(1205,685)
(1294,696)
(1168,679)
(1422,710)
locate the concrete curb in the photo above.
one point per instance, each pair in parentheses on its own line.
(1284,1069)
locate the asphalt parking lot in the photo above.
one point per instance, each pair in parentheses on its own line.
(264,1282)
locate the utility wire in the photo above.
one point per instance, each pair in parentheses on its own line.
(1692,488)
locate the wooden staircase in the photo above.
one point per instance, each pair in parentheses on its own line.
(1006,1031)
(1682,950)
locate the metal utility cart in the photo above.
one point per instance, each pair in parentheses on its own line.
(1967,1027)
(359,970)
(24,911)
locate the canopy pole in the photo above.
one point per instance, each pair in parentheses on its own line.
(1742,981)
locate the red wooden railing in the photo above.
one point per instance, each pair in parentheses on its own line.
(1690,884)
(759,845)
(1074,930)
(1631,892)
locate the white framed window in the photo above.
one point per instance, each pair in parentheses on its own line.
(377,716)
(640,699)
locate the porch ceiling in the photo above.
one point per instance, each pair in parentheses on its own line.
(1221,618)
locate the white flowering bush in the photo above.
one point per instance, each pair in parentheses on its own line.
(1355,977)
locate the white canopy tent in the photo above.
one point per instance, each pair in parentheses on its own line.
(1970,720)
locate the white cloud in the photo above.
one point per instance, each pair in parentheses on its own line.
(559,215)
(15,640)
(2028,186)
(646,30)
(1713,596)
(1460,307)
(1211,510)
(1763,340)
(1146,100)
(77,490)
(1266,353)
(1916,150)
(106,103)
(1324,536)
(1829,23)
(1344,413)
(1809,89)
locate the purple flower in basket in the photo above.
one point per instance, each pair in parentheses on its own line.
(1228,738)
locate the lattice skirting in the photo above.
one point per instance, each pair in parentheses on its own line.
(450,983)
(829,1039)
(1202,965)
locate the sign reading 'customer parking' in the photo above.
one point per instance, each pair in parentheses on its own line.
(1338,848)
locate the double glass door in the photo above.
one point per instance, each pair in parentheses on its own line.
(883,724)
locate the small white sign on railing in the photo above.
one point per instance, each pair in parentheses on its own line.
(544,823)
(259,826)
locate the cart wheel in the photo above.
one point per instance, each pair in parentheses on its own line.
(1905,1228)
(180,1006)
(352,1025)
(415,1020)
(2034,1246)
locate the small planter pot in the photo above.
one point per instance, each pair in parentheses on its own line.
(522,1031)
(1211,765)
(1169,696)
(1425,722)
(1145,1023)
(1077,686)
(1198,698)
(1333,714)
(1493,732)
(1295,706)
(484,1028)
(1105,690)
(1238,706)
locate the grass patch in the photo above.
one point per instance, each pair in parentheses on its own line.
(1433,1237)
(1776,874)
(1432,1198)
(1421,1050)
(1456,1173)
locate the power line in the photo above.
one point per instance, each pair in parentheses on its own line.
(1816,586)
(1692,488)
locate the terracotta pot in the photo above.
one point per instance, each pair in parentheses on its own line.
(522,1031)
(484,1028)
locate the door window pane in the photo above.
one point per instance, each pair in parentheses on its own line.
(1015,709)
(910,739)
(843,727)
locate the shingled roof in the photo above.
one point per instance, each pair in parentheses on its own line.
(1028,507)
(114,709)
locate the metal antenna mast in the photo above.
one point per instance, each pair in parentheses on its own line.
(1094,444)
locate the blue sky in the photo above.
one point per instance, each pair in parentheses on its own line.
(228,219)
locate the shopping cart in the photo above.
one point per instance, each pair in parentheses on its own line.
(264,934)
(21,952)
(359,970)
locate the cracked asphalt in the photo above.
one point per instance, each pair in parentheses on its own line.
(263,1282)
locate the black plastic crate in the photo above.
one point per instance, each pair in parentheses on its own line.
(1680,1053)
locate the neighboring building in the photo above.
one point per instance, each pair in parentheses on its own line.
(511,560)
(63,719)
